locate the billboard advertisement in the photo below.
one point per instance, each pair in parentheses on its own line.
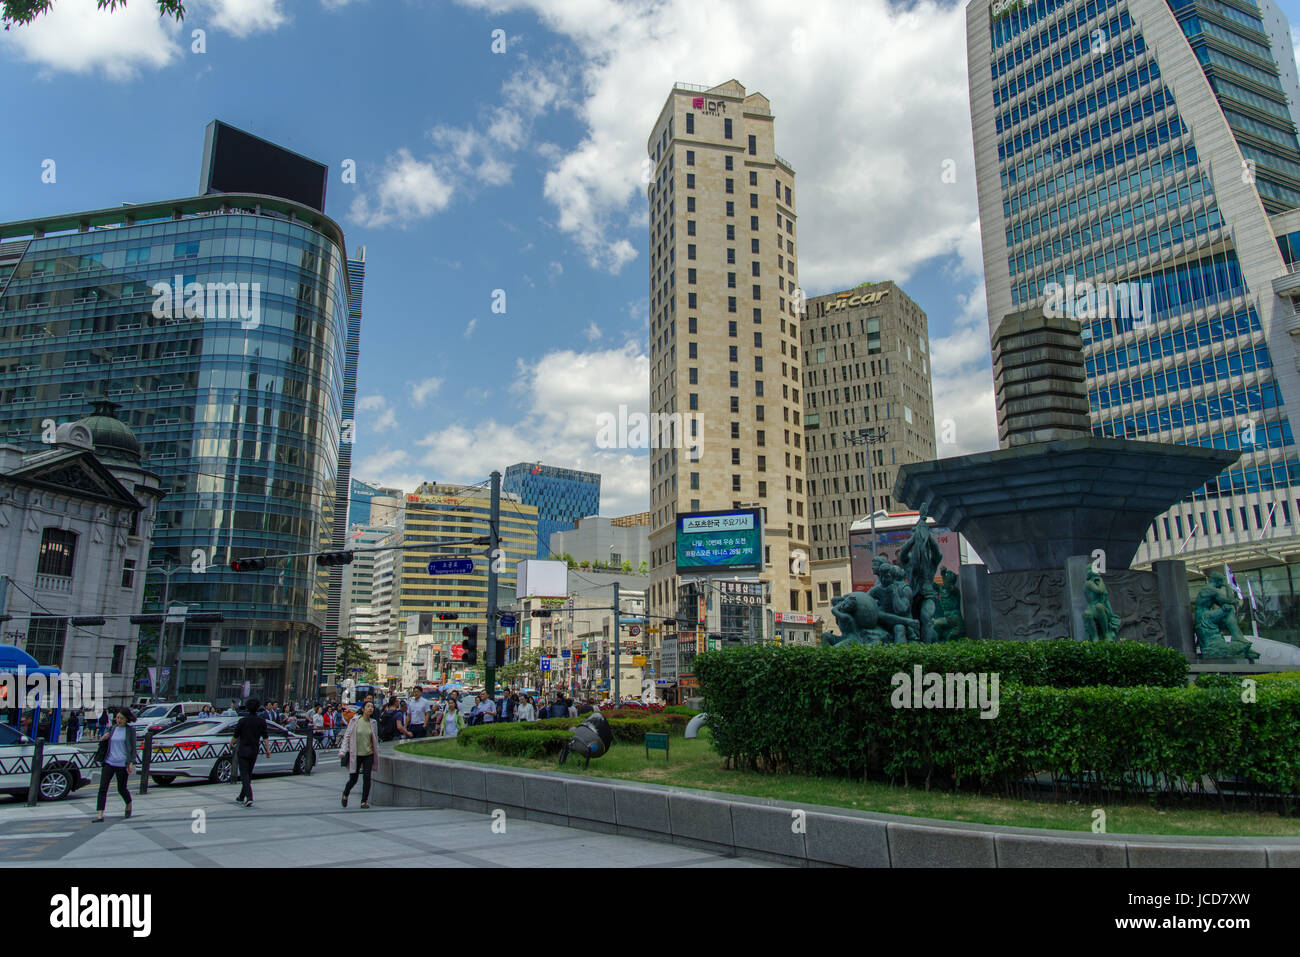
(727,541)
(889,542)
(541,579)
(239,162)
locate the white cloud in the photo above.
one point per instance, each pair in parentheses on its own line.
(873,206)
(593,331)
(423,390)
(75,36)
(409,189)
(563,393)
(384,418)
(469,330)
(243,17)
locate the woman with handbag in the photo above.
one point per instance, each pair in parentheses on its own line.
(359,751)
(116,756)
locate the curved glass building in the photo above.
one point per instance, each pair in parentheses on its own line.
(220,325)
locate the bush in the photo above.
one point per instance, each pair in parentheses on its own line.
(542,739)
(829,712)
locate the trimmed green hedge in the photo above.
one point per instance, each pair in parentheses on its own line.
(829,712)
(1211,680)
(547,738)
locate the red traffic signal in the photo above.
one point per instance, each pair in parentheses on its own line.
(334,558)
(447,616)
(248,564)
(541,614)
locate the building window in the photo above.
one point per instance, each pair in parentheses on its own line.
(758,363)
(726,131)
(690,180)
(45,638)
(690,325)
(695,480)
(690,205)
(821,592)
(753,175)
(758,387)
(787,200)
(730,185)
(758,291)
(731,304)
(758,315)
(735,430)
(727,159)
(731,331)
(690,227)
(753,200)
(695,401)
(694,376)
(690,276)
(753,248)
(691,351)
(690,302)
(735,403)
(731,280)
(753,223)
(731,232)
(690,122)
(119,659)
(690,158)
(735,479)
(731,257)
(58,553)
(731,208)
(735,456)
(753,268)
(758,340)
(758,412)
(753,146)
(128,573)
(690,252)
(735,379)
(762,463)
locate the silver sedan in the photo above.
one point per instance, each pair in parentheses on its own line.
(200,749)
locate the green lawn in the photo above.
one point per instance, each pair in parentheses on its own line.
(694,764)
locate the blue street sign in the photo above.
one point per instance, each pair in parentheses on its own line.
(451,566)
(546,664)
(564,652)
(508,621)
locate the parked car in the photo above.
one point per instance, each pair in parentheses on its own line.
(158,717)
(60,774)
(198,749)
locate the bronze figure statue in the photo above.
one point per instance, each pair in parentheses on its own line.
(1100,623)
(1216,612)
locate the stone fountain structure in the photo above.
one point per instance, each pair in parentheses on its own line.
(1056,502)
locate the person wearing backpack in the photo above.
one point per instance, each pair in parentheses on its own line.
(390,722)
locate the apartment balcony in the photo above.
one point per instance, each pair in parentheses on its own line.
(1288,284)
(57,583)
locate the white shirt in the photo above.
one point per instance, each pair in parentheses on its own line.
(417,710)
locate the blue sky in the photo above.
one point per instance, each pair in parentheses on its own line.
(521,171)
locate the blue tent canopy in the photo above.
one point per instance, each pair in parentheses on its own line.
(11,659)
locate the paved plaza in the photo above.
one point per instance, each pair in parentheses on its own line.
(297,822)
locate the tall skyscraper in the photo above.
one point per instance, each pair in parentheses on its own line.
(219,324)
(343,487)
(363,493)
(724,342)
(866,366)
(561,497)
(1138,169)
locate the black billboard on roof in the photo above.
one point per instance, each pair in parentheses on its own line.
(238,162)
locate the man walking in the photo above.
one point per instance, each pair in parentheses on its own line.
(250,729)
(417,714)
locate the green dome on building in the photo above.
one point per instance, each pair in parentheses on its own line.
(113,438)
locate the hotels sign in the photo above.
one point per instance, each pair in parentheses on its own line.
(1000,8)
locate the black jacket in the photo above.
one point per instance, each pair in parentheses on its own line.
(101,752)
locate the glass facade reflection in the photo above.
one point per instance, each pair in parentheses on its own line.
(1103,156)
(238,411)
(561,496)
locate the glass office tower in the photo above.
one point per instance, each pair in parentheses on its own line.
(238,409)
(1137,166)
(561,496)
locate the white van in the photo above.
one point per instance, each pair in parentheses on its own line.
(164,715)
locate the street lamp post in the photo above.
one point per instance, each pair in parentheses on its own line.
(167,571)
(869,437)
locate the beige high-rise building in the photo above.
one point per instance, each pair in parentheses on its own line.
(724,336)
(866,366)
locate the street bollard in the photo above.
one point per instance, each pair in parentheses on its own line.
(38,764)
(145,761)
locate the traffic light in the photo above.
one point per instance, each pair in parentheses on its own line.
(541,614)
(248,564)
(447,616)
(470,644)
(88,620)
(501,652)
(334,558)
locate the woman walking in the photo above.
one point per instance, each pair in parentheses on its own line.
(451,716)
(116,754)
(360,750)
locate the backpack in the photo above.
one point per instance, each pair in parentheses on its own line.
(388,725)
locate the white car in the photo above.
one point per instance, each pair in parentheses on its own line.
(65,768)
(157,717)
(200,749)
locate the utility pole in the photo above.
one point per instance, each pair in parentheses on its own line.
(618,671)
(494,541)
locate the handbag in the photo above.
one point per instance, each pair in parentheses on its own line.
(343,759)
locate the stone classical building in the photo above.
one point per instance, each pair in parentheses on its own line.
(76,524)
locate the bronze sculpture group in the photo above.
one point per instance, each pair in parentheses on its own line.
(902,605)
